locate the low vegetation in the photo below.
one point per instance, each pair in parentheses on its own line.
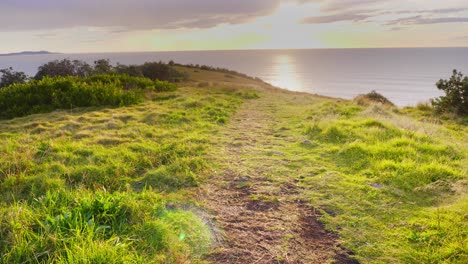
(110,185)
(373,98)
(90,183)
(128,82)
(68,84)
(389,190)
(50,94)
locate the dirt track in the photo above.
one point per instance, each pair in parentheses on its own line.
(262,219)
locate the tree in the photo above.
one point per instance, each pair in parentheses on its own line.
(456,95)
(102,66)
(131,70)
(64,68)
(56,68)
(82,69)
(9,77)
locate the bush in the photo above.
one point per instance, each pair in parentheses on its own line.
(373,97)
(456,95)
(82,69)
(151,70)
(129,82)
(131,70)
(64,68)
(103,66)
(161,71)
(10,77)
(50,94)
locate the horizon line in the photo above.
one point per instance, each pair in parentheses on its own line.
(257,49)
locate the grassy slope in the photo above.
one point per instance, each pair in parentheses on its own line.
(109,185)
(394,188)
(393,184)
(116,184)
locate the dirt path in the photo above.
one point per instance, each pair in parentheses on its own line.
(262,219)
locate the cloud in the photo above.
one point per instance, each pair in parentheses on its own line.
(132,14)
(435,11)
(344,10)
(351,16)
(420,20)
(342,5)
(386,11)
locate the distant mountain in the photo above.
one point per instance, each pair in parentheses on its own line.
(42,52)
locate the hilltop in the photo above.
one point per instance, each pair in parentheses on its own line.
(42,52)
(228,169)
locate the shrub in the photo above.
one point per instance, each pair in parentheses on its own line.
(124,81)
(161,71)
(248,94)
(131,70)
(64,68)
(151,70)
(82,69)
(9,77)
(456,95)
(373,97)
(49,94)
(103,66)
(130,82)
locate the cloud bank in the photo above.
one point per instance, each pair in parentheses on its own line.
(393,12)
(131,14)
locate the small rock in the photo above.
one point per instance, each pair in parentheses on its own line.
(377,185)
(306,142)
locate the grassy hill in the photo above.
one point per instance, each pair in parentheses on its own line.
(157,182)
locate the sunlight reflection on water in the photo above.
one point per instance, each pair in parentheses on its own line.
(285,72)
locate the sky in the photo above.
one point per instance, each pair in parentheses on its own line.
(79,26)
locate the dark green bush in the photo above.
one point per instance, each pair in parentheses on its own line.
(9,77)
(64,68)
(151,70)
(103,66)
(161,71)
(456,95)
(49,94)
(132,70)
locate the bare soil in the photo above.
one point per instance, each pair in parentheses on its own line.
(262,218)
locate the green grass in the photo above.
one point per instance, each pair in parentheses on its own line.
(118,185)
(394,188)
(100,185)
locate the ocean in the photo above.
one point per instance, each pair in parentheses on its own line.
(406,76)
